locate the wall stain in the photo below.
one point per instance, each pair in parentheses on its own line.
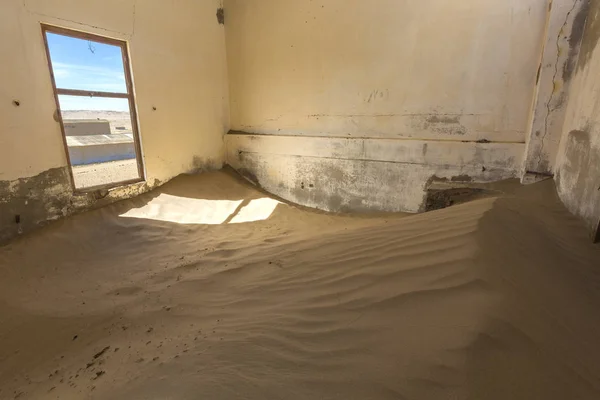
(248,174)
(204,164)
(575,40)
(442,124)
(591,34)
(334,202)
(221,16)
(552,105)
(579,175)
(461,178)
(35,200)
(440,119)
(38,200)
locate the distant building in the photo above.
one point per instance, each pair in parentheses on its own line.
(90,141)
(86,127)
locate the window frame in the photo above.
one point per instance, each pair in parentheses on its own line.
(130,96)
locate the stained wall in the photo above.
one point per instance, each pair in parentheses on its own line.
(451,84)
(577,171)
(178,58)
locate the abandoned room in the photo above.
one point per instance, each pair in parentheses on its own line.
(300,199)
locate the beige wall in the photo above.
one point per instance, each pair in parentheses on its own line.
(434,69)
(179,66)
(178,58)
(578,161)
(421,91)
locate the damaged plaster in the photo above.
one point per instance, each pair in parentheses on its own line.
(365,175)
(578,160)
(181,130)
(578,178)
(566,22)
(29,203)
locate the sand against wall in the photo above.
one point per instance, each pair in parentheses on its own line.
(494,299)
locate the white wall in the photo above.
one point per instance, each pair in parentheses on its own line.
(425,90)
(179,66)
(434,69)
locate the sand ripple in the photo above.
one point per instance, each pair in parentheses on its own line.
(494,299)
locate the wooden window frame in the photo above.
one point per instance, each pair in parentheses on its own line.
(88,93)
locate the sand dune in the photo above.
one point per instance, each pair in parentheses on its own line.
(493,299)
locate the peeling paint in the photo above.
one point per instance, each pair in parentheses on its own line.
(48,196)
(35,200)
(562,51)
(327,173)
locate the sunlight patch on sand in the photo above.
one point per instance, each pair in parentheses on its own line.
(185,210)
(256,210)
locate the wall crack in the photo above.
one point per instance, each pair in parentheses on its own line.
(549,109)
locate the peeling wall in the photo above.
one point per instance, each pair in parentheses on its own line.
(578,161)
(27,203)
(566,22)
(178,58)
(386,95)
(351,105)
(361,175)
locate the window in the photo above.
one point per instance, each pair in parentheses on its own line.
(93,88)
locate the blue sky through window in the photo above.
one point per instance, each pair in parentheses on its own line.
(87,65)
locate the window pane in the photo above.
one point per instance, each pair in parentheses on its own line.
(86,65)
(99,139)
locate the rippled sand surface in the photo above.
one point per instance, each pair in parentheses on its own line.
(209,289)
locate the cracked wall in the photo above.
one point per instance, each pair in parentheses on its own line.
(578,160)
(180,77)
(565,24)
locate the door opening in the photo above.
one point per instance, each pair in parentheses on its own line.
(93,88)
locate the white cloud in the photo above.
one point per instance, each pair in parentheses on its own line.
(70,103)
(97,71)
(61,73)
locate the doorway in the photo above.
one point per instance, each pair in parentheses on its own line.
(95,102)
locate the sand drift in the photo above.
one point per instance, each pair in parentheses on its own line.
(208,288)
